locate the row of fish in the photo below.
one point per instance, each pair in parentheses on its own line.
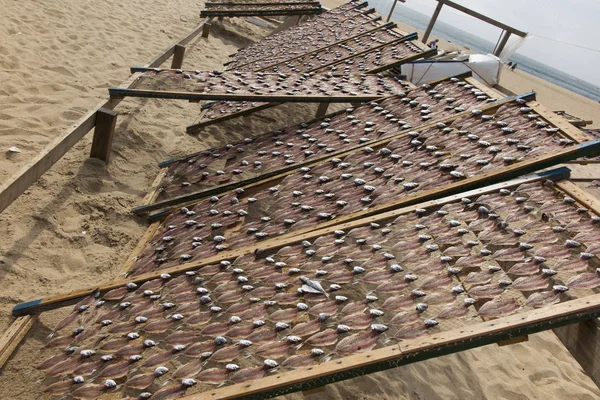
(306,141)
(335,295)
(313,34)
(259,7)
(346,51)
(408,165)
(383,57)
(267,84)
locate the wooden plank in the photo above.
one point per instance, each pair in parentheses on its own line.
(197,96)
(178,55)
(193,129)
(583,197)
(560,122)
(153,191)
(409,351)
(13,336)
(584,172)
(209,4)
(483,17)
(137,250)
(489,91)
(61,299)
(257,13)
(106,121)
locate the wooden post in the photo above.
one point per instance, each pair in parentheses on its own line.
(391,11)
(287,23)
(322,110)
(432,21)
(106,121)
(178,54)
(206,30)
(500,47)
(220,19)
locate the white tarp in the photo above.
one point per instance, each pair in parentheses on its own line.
(485,68)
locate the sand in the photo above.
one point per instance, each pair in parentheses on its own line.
(74,228)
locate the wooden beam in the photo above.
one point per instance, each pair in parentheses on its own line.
(210,4)
(434,18)
(489,91)
(178,54)
(322,110)
(483,18)
(582,196)
(256,13)
(500,47)
(52,302)
(137,250)
(106,121)
(193,129)
(392,10)
(410,351)
(560,122)
(13,336)
(199,96)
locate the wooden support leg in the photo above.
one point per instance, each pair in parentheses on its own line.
(178,57)
(106,121)
(288,22)
(583,342)
(206,30)
(220,18)
(322,110)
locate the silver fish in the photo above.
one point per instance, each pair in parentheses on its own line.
(310,286)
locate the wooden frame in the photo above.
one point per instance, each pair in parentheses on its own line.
(210,4)
(195,127)
(51,302)
(410,351)
(507,30)
(284,171)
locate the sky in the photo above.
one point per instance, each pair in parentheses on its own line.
(572,21)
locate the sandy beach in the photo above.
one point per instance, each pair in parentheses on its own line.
(74,228)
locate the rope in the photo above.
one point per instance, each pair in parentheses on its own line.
(563,42)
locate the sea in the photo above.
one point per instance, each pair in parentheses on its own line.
(476,44)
